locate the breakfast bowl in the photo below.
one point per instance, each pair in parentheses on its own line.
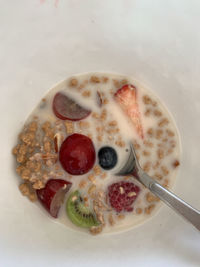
(150,47)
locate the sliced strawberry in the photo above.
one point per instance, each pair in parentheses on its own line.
(52,195)
(66,108)
(77,154)
(122,195)
(127,98)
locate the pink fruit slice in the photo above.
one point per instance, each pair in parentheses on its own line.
(52,195)
(122,195)
(66,108)
(127,99)
(77,154)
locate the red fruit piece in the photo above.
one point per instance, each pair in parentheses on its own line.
(77,154)
(122,195)
(66,108)
(127,98)
(52,195)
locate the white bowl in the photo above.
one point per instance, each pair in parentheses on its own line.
(158,43)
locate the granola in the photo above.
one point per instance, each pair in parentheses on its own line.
(57,151)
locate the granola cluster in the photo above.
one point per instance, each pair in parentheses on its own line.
(35,155)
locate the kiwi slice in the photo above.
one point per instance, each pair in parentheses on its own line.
(78,213)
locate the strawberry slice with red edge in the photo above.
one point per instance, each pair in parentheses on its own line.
(77,154)
(65,108)
(122,195)
(127,99)
(52,195)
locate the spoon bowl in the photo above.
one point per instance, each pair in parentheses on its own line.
(132,167)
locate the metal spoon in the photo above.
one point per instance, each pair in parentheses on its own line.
(132,167)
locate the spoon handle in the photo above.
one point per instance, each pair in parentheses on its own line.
(181,207)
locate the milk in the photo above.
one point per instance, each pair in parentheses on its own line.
(128,133)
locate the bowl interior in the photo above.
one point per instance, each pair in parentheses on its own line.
(157,44)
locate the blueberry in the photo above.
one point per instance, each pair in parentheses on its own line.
(107,157)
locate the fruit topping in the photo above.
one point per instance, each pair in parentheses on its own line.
(52,195)
(78,213)
(66,108)
(107,157)
(77,154)
(127,99)
(122,195)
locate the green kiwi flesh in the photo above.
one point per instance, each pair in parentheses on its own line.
(78,213)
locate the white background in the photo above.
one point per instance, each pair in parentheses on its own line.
(155,41)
